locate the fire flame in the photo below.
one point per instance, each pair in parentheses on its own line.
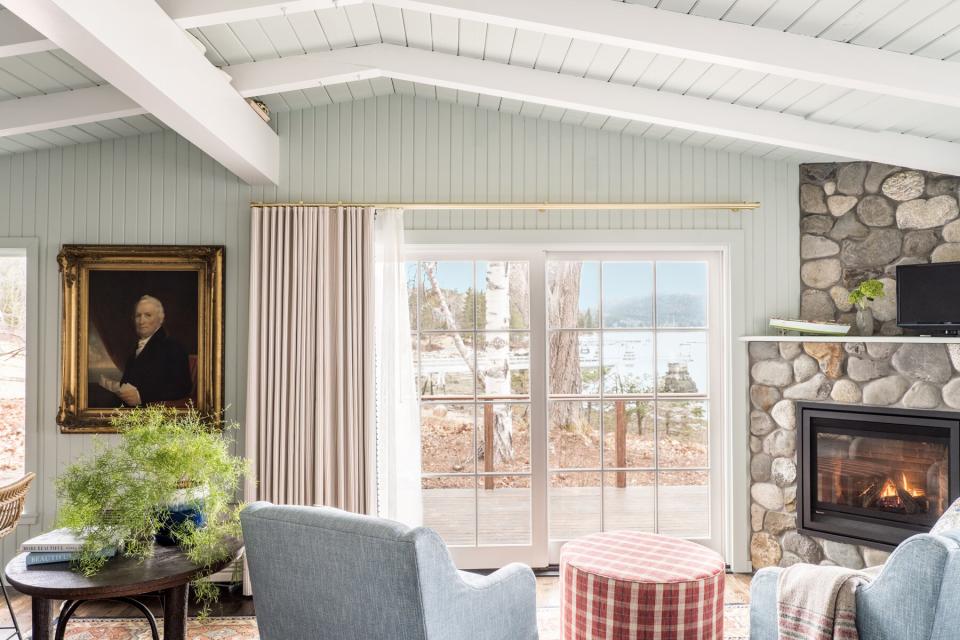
(890,489)
(916,492)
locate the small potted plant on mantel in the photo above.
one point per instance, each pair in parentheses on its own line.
(865,293)
(170,479)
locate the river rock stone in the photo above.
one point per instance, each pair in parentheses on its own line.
(816,388)
(816,305)
(777,522)
(829,355)
(757,514)
(784,413)
(763,397)
(949,252)
(923,362)
(922,395)
(920,243)
(845,555)
(875,211)
(812,199)
(874,557)
(902,186)
(885,307)
(760,423)
(821,274)
(858,349)
(789,350)
(953,350)
(829,187)
(764,350)
(817,172)
(850,178)
(841,298)
(804,368)
(817,247)
(864,370)
(760,467)
(927,214)
(877,249)
(817,225)
(775,373)
(847,226)
(790,559)
(805,547)
(846,391)
(876,175)
(890,328)
(885,391)
(951,231)
(881,350)
(756,444)
(945,186)
(783,472)
(781,443)
(767,495)
(790,498)
(951,393)
(764,550)
(839,205)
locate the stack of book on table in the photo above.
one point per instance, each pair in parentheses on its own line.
(59,545)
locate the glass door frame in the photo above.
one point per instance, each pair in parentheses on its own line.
(542,551)
(716,393)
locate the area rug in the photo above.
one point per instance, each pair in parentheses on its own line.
(736,626)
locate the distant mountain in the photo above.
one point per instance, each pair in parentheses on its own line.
(674,310)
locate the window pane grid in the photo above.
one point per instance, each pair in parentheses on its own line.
(659,396)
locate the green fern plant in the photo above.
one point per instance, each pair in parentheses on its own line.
(866,291)
(117,496)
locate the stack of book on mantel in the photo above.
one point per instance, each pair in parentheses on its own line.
(59,545)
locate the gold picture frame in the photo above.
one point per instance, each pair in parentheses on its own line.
(117,279)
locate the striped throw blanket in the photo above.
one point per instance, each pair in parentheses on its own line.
(818,602)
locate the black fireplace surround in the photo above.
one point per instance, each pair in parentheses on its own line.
(874,475)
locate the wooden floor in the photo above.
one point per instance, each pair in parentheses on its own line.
(232,603)
(502,516)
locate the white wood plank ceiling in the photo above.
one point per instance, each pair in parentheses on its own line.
(927,29)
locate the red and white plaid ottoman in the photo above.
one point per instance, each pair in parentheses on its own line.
(627,585)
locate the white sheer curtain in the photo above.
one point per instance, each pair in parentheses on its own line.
(397,409)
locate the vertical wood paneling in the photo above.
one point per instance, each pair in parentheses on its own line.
(153,188)
(157,188)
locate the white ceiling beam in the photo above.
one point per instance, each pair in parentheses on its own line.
(568,92)
(595,96)
(716,42)
(17,38)
(138,49)
(64,109)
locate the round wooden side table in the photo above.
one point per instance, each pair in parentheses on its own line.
(169,572)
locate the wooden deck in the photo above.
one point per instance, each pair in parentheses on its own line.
(504,514)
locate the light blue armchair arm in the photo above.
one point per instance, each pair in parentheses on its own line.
(915,597)
(324,574)
(459,605)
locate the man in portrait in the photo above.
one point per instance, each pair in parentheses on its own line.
(158,369)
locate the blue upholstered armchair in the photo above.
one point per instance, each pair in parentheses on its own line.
(324,574)
(915,597)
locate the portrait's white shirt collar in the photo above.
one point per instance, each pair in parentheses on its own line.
(142,342)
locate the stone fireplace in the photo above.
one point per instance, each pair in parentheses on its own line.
(872,475)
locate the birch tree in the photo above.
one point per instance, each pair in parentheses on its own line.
(496,374)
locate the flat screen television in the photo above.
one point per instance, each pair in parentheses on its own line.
(928,297)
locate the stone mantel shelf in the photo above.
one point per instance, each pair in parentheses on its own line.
(894,339)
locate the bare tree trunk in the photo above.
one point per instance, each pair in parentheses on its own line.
(430,270)
(496,381)
(564,297)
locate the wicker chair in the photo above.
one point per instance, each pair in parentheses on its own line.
(12,497)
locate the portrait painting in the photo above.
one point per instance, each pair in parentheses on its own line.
(142,326)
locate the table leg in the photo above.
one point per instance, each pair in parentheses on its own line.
(175,613)
(41,618)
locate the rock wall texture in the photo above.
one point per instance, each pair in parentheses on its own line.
(918,376)
(859,220)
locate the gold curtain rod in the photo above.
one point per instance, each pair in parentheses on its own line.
(535,206)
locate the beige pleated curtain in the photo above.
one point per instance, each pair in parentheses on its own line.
(309,415)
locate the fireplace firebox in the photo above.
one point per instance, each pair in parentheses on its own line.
(874,475)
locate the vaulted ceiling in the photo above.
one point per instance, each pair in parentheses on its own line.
(866,79)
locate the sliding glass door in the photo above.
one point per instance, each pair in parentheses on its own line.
(564,394)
